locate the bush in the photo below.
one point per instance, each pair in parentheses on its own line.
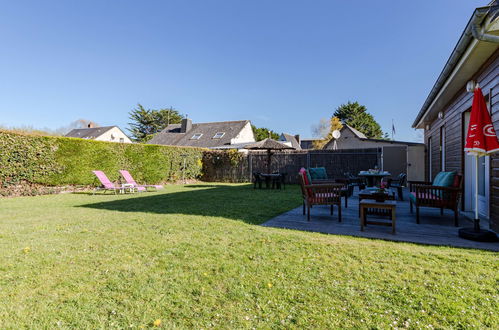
(56,161)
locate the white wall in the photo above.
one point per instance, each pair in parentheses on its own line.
(114,135)
(245,136)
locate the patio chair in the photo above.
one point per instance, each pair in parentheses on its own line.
(140,187)
(320,194)
(257,180)
(106,184)
(318,175)
(443,193)
(400,183)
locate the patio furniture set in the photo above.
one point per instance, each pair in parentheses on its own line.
(444,193)
(129,185)
(274,180)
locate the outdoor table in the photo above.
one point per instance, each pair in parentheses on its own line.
(367,204)
(274,178)
(127,186)
(373,178)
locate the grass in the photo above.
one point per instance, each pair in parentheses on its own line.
(192,256)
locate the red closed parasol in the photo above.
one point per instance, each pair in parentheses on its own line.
(481,140)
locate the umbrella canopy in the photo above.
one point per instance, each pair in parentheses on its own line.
(481,139)
(269,145)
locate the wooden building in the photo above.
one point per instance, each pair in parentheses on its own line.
(445,113)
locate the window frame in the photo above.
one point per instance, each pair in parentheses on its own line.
(196,136)
(217,133)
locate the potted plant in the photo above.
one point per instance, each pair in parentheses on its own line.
(379,195)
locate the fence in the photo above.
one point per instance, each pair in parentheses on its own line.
(216,167)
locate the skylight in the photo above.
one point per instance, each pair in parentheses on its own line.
(219,135)
(196,136)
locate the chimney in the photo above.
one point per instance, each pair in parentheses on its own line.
(297,137)
(186,125)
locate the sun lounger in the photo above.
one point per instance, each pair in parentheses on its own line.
(107,185)
(140,187)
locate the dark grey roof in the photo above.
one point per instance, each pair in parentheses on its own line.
(171,135)
(357,133)
(290,138)
(89,133)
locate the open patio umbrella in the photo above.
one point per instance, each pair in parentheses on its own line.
(269,145)
(481,140)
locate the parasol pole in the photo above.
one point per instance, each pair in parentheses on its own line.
(477,220)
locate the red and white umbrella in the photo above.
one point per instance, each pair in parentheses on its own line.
(481,139)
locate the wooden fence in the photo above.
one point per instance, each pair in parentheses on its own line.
(336,162)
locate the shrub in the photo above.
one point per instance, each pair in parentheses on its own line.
(56,161)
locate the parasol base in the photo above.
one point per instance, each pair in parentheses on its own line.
(480,235)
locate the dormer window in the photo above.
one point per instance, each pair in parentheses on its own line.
(196,136)
(219,135)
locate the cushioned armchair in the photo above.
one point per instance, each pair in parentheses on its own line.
(443,193)
(320,194)
(318,175)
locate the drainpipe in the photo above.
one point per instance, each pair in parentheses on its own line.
(476,29)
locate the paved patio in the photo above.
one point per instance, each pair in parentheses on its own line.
(434,229)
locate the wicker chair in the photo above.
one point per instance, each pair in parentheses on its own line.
(320,194)
(425,194)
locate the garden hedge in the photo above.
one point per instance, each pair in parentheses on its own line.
(59,161)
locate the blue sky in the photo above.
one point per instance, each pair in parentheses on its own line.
(281,64)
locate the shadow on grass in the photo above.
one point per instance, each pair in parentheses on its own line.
(236,202)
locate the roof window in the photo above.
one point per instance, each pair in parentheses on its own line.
(196,136)
(219,135)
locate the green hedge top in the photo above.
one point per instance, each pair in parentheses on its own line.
(59,161)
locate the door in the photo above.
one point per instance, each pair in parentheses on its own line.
(394,160)
(415,163)
(470,168)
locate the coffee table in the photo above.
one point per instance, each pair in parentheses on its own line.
(388,205)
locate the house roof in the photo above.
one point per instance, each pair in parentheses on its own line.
(361,136)
(357,133)
(455,63)
(89,133)
(290,138)
(171,135)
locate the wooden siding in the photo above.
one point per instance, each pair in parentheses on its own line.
(487,77)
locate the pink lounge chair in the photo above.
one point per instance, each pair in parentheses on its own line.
(140,187)
(106,183)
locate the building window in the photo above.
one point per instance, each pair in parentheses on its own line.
(219,135)
(122,140)
(196,136)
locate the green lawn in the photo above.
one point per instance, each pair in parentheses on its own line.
(193,256)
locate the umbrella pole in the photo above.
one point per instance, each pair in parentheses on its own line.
(476,223)
(268,160)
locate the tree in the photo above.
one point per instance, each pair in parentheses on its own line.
(356,115)
(263,133)
(147,122)
(334,125)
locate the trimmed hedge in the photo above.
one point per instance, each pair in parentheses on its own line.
(56,161)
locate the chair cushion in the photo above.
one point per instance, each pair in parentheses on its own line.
(306,176)
(446,180)
(438,178)
(318,173)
